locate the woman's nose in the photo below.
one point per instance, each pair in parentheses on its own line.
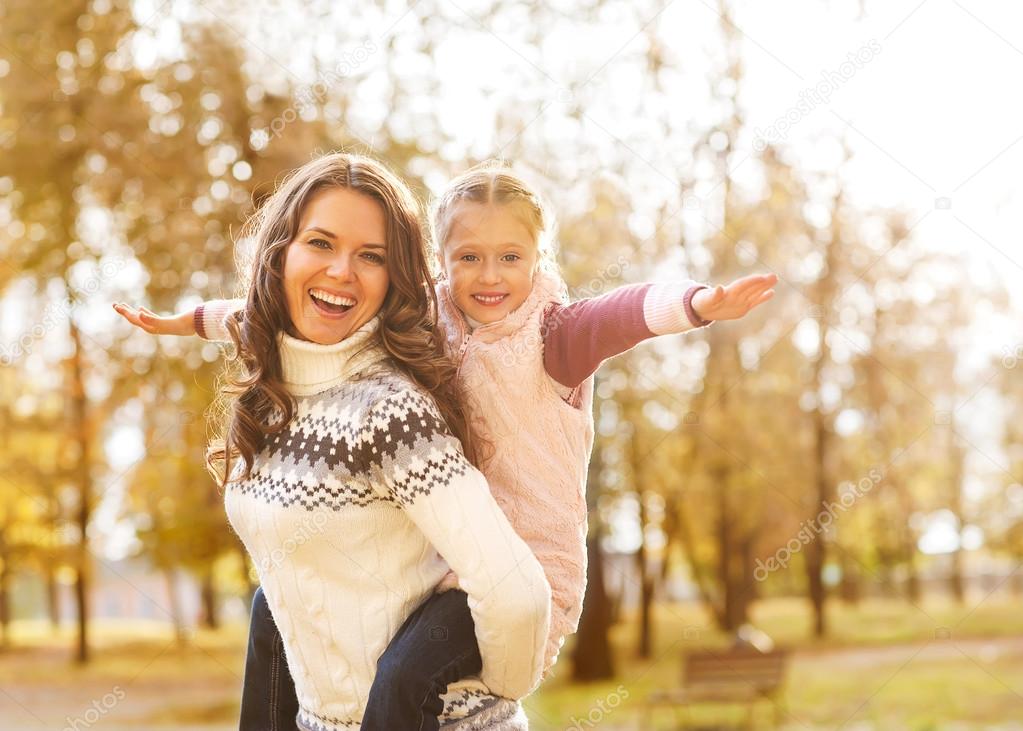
(341,268)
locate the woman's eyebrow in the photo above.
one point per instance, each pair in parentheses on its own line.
(330,234)
(323,231)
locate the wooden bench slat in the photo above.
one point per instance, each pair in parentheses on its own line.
(729,676)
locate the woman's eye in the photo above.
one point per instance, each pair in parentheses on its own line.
(319,243)
(469,257)
(375,258)
(511,257)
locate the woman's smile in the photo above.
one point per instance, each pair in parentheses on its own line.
(331,304)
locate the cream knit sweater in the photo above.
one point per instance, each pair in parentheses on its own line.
(353,514)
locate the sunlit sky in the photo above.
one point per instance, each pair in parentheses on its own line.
(933,116)
(933,113)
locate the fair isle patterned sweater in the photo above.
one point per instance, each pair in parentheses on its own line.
(354,512)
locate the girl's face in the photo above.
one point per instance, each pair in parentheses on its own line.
(489,257)
(335,270)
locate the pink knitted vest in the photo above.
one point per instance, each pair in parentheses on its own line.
(540,444)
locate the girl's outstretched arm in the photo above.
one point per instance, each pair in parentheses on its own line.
(580,336)
(735,300)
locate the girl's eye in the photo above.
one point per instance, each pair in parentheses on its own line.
(511,257)
(373,257)
(319,243)
(469,257)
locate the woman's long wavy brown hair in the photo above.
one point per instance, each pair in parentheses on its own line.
(254,399)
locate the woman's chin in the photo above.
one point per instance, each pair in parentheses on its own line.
(322,335)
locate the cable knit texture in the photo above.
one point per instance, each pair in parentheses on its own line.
(353,514)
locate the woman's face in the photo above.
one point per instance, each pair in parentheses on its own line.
(335,270)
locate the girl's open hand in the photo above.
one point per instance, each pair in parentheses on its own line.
(735,300)
(180,324)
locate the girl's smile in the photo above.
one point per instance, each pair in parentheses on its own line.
(490,257)
(490,299)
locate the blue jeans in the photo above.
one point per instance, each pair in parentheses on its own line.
(268,692)
(435,646)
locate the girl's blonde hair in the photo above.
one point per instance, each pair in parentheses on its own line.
(495,183)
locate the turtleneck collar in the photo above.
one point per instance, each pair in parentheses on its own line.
(308,368)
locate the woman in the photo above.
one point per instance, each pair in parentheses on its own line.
(342,465)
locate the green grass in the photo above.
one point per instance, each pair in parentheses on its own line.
(883,667)
(885,663)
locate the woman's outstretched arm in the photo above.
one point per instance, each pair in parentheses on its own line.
(207,320)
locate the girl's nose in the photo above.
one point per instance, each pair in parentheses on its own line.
(490,274)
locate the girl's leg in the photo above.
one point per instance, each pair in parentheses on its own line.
(269,702)
(435,646)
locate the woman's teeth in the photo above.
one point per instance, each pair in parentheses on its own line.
(331,299)
(489,300)
(337,303)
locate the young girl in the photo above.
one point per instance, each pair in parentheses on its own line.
(526,361)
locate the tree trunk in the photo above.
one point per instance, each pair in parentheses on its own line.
(912,573)
(955,578)
(824,296)
(52,598)
(592,659)
(849,588)
(646,585)
(5,599)
(734,568)
(80,429)
(210,617)
(177,618)
(724,536)
(816,550)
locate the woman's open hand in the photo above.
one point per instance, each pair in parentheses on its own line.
(180,324)
(736,299)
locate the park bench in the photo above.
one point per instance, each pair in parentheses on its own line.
(741,676)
